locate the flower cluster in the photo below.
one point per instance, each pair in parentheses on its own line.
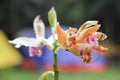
(80,42)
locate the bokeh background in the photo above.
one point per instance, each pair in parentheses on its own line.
(16,19)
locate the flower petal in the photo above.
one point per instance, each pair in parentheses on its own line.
(100,49)
(47,43)
(87,58)
(35,51)
(101,36)
(92,22)
(86,33)
(39,27)
(80,49)
(84,50)
(86,24)
(92,39)
(82,27)
(71,30)
(62,36)
(23,41)
(51,39)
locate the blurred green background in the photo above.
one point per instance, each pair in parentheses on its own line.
(18,14)
(18,74)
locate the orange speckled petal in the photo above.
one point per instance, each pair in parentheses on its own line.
(82,27)
(62,36)
(71,30)
(100,49)
(86,24)
(86,33)
(86,59)
(101,36)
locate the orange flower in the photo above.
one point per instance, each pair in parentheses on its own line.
(83,41)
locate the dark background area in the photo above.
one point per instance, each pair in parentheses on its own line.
(18,14)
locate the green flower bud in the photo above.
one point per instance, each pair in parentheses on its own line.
(52,17)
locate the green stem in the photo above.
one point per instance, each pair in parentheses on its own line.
(56,72)
(53,32)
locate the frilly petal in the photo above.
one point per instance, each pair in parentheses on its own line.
(101,36)
(92,39)
(87,58)
(35,51)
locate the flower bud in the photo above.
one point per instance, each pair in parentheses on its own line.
(52,17)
